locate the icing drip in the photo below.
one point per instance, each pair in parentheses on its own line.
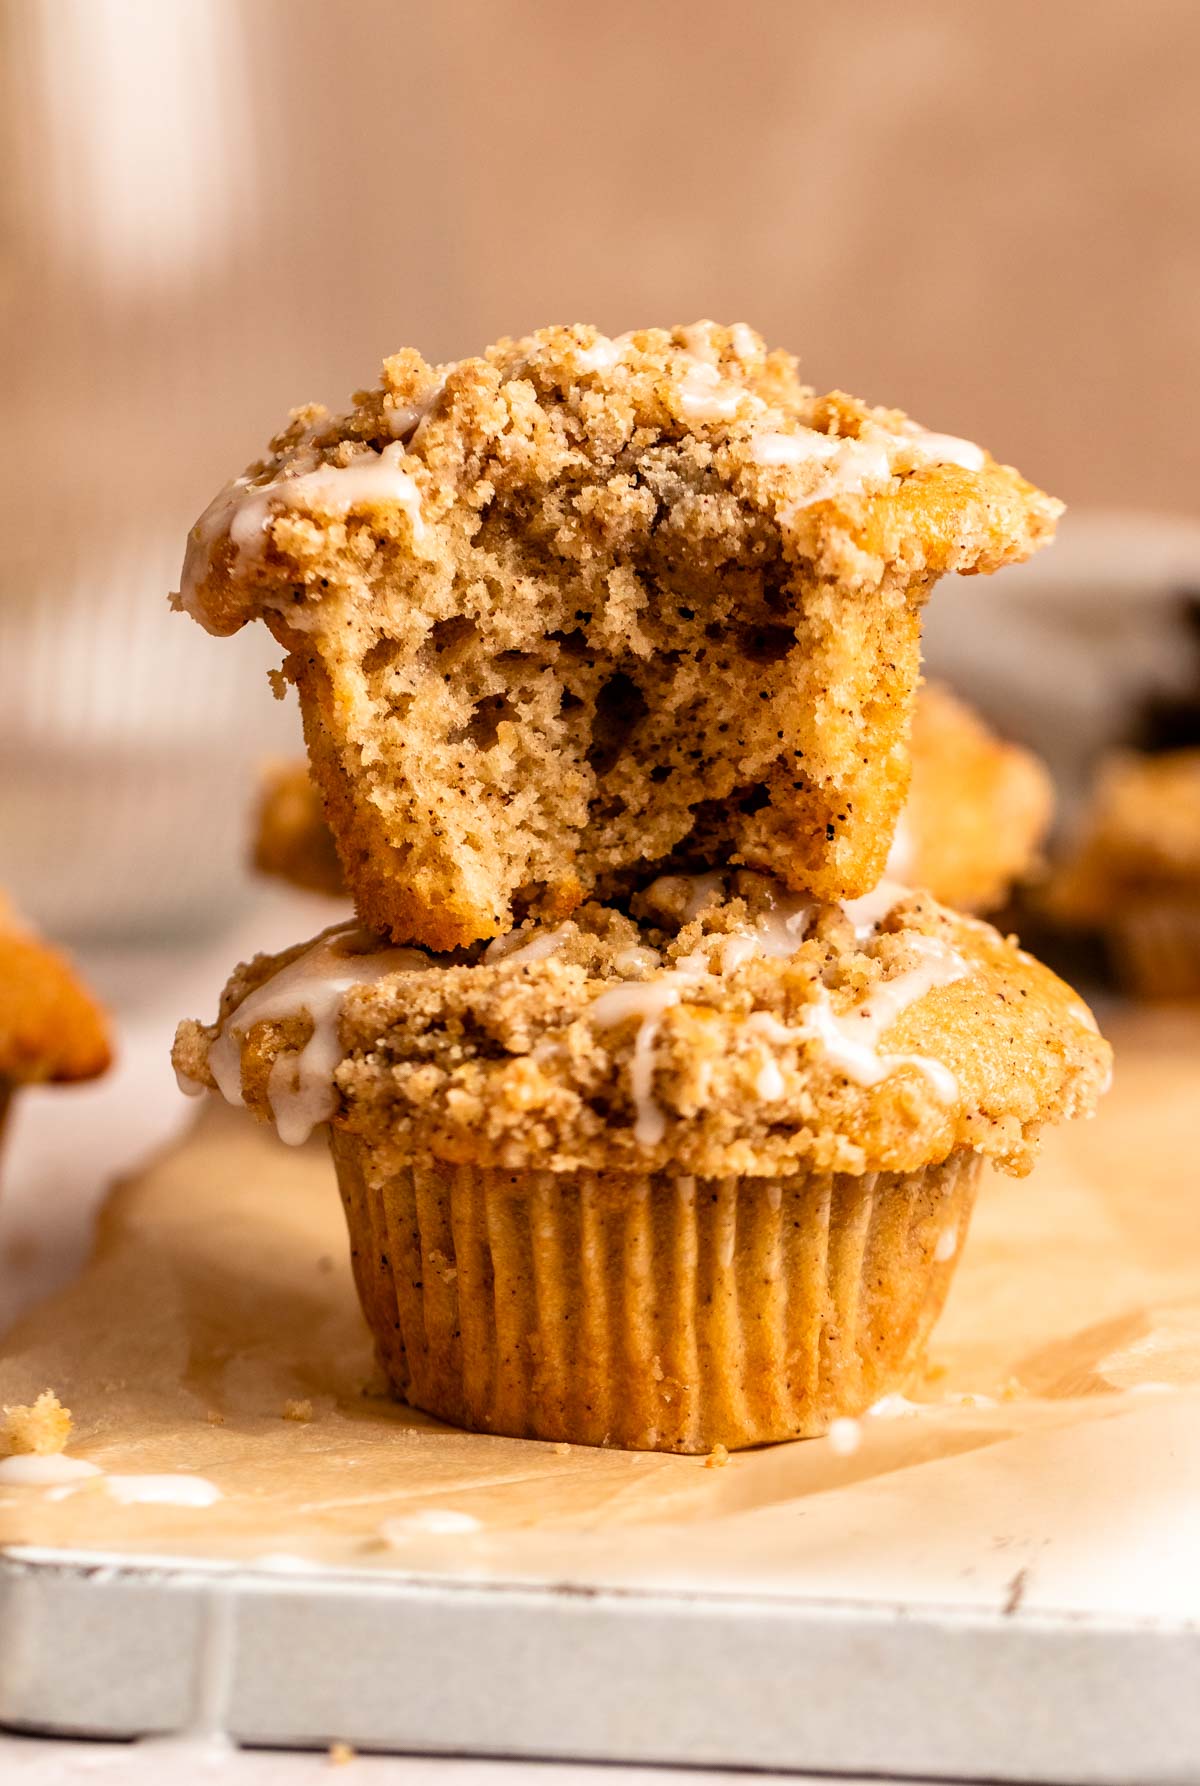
(163,1491)
(704,396)
(647,1001)
(30,1469)
(243,510)
(851,1041)
(301,1090)
(542,943)
(853,463)
(368,481)
(404,419)
(868,912)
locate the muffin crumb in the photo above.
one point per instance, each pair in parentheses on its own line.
(717,1458)
(41,1429)
(341,1754)
(301,1410)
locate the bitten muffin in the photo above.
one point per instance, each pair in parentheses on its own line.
(51,1028)
(582,605)
(1133,876)
(977,812)
(978,809)
(691,1176)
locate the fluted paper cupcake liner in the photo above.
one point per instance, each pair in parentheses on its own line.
(1155,946)
(652,1312)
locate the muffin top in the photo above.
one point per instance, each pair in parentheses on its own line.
(978,808)
(722,1026)
(581,605)
(1140,836)
(50,1025)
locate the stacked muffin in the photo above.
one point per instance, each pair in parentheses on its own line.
(657,1112)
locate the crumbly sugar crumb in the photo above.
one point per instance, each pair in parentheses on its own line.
(42,1428)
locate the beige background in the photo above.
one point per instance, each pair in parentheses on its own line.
(213,209)
(985,213)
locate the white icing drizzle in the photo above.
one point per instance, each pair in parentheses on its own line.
(538,947)
(601,356)
(429,1522)
(174,1490)
(851,1040)
(868,911)
(774,448)
(943,449)
(301,1089)
(769,1083)
(370,480)
(646,1000)
(243,509)
(31,1469)
(637,959)
(404,419)
(947,1245)
(704,396)
(852,463)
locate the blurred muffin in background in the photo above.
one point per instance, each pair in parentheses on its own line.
(1133,875)
(291,839)
(978,810)
(51,1028)
(978,807)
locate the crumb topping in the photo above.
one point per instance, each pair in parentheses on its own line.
(39,1430)
(719,1026)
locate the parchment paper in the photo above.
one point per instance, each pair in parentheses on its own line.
(1050,1459)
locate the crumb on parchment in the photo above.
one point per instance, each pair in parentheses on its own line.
(717,1458)
(301,1411)
(42,1428)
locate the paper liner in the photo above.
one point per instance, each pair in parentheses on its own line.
(1155,946)
(652,1312)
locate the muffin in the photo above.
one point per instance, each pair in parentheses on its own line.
(1133,875)
(291,840)
(51,1028)
(691,1174)
(581,606)
(978,809)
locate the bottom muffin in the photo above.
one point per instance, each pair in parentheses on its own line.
(691,1176)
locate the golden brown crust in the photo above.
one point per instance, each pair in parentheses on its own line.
(589,624)
(503,1064)
(50,1025)
(978,808)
